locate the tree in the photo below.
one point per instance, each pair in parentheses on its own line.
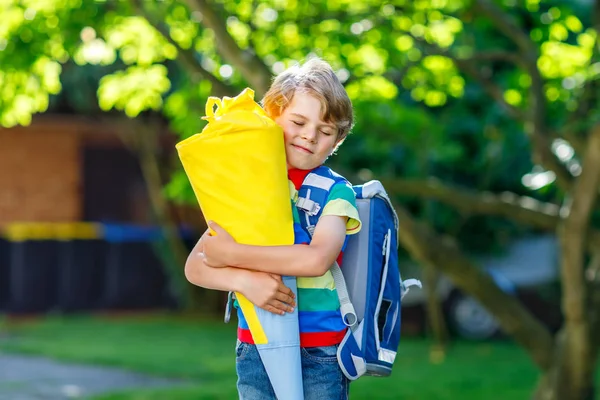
(473,85)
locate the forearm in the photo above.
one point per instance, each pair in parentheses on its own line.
(293,260)
(311,260)
(224,279)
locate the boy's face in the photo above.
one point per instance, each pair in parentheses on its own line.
(308,139)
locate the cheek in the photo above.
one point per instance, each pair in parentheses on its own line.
(281,123)
(330,142)
(288,131)
(286,134)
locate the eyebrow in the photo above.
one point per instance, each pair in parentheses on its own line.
(327,125)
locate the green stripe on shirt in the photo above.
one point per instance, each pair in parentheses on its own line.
(342,191)
(342,202)
(317,300)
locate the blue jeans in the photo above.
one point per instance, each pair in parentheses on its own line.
(322,377)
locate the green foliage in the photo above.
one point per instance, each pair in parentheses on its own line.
(134,90)
(418,113)
(33,45)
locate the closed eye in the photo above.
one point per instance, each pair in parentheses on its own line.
(298,123)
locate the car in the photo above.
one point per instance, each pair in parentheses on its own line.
(529,270)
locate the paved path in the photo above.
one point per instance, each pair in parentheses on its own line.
(39,378)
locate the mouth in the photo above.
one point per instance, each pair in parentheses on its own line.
(304,149)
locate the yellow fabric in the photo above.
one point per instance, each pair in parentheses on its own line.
(238,171)
(343,208)
(322,282)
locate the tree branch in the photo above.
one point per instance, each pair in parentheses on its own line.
(495,55)
(573,236)
(544,156)
(522,209)
(506,24)
(519,208)
(496,92)
(568,133)
(424,245)
(535,123)
(252,68)
(185,57)
(576,120)
(467,66)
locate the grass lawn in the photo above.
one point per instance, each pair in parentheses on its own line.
(202,351)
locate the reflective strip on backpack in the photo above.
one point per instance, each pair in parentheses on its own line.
(386,355)
(310,207)
(386,248)
(318,181)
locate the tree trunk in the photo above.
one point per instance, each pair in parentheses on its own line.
(435,314)
(554,383)
(572,373)
(426,247)
(593,277)
(143,139)
(180,288)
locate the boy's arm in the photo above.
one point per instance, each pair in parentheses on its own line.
(293,260)
(264,290)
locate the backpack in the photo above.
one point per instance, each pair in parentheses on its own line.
(369,285)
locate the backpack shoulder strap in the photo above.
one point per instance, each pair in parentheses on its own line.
(311,199)
(313,194)
(346,308)
(315,189)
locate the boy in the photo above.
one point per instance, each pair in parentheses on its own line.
(315,113)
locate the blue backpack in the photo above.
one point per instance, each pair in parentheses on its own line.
(368,283)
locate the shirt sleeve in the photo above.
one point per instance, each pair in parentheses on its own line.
(342,202)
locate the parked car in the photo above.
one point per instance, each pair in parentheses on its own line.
(528,270)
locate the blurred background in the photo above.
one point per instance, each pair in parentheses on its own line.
(480,117)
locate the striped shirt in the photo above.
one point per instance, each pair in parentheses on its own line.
(318,304)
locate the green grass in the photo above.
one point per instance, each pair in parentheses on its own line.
(202,352)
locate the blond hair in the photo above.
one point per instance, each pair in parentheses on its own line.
(315,77)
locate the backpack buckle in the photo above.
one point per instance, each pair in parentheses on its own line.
(230,298)
(310,207)
(406,284)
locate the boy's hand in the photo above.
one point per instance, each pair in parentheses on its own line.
(268,292)
(217,248)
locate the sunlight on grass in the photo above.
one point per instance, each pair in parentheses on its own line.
(202,352)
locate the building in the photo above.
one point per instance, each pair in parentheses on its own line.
(69,168)
(66,175)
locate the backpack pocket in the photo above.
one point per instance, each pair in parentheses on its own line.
(350,357)
(387,333)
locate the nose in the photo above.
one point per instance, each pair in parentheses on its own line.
(309,135)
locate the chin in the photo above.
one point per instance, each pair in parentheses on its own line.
(301,165)
(296,160)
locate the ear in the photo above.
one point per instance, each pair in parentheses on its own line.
(338,143)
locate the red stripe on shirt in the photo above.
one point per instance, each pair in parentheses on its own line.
(307,339)
(318,339)
(297,176)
